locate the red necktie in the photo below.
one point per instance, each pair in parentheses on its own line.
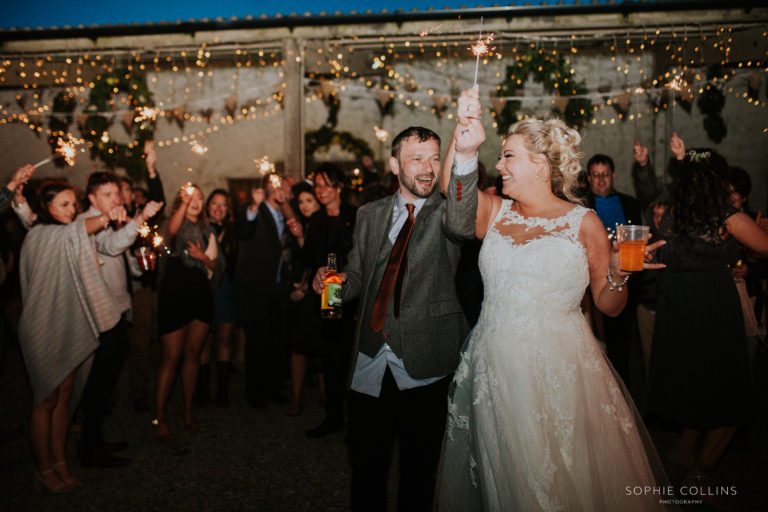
(393,276)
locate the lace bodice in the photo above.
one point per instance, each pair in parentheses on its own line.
(533,262)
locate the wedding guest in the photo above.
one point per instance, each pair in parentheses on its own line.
(261,289)
(114,256)
(221,217)
(330,231)
(66,305)
(144,293)
(699,366)
(185,302)
(301,339)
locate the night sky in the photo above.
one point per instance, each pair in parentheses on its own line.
(60,13)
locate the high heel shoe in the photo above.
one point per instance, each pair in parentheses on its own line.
(42,482)
(162,432)
(61,469)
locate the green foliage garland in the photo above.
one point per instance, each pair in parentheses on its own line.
(327,135)
(101,99)
(711,103)
(557,77)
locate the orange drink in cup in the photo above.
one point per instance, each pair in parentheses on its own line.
(632,241)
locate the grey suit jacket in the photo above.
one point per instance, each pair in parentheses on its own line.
(432,324)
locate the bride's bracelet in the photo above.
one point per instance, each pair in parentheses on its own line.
(613,285)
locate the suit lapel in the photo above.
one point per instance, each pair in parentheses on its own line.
(382,223)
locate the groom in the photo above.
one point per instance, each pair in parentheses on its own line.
(410,324)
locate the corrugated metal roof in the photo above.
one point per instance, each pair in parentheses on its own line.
(518,8)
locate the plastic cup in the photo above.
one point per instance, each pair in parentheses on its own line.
(632,241)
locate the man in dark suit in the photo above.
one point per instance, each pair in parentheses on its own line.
(614,208)
(410,323)
(260,288)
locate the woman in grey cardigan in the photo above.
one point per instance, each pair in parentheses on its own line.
(65,305)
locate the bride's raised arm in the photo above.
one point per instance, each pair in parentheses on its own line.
(467,138)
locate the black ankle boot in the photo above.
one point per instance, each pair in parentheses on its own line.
(203,386)
(222,383)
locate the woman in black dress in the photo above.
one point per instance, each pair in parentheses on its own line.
(218,207)
(330,231)
(306,203)
(185,301)
(699,370)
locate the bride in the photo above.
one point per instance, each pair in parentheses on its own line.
(537,418)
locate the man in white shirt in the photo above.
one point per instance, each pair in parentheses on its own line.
(111,245)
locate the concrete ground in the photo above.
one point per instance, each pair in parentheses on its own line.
(245,459)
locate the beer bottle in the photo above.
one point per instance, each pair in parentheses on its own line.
(330,301)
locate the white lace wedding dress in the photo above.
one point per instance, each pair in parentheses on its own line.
(537,419)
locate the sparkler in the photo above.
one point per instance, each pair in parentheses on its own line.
(265,166)
(157,240)
(676,84)
(275,180)
(481,48)
(381,133)
(146,113)
(198,148)
(189,188)
(144,230)
(425,33)
(65,149)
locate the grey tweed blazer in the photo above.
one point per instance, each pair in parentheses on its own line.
(432,324)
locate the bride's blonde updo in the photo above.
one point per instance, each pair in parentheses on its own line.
(558,146)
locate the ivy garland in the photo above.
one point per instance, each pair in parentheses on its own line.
(557,77)
(327,135)
(711,104)
(129,156)
(63,106)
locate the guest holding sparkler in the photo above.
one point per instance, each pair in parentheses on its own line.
(220,214)
(59,272)
(112,245)
(699,366)
(20,177)
(185,302)
(261,287)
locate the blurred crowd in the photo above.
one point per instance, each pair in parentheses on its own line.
(91,279)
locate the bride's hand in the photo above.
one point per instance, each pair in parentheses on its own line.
(615,269)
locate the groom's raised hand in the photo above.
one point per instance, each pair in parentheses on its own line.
(470,134)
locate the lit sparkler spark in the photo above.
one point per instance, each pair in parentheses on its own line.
(157,240)
(481,47)
(198,148)
(676,84)
(639,90)
(189,188)
(146,113)
(275,180)
(381,133)
(425,33)
(105,137)
(66,150)
(265,166)
(144,230)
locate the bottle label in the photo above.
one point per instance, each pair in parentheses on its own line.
(334,295)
